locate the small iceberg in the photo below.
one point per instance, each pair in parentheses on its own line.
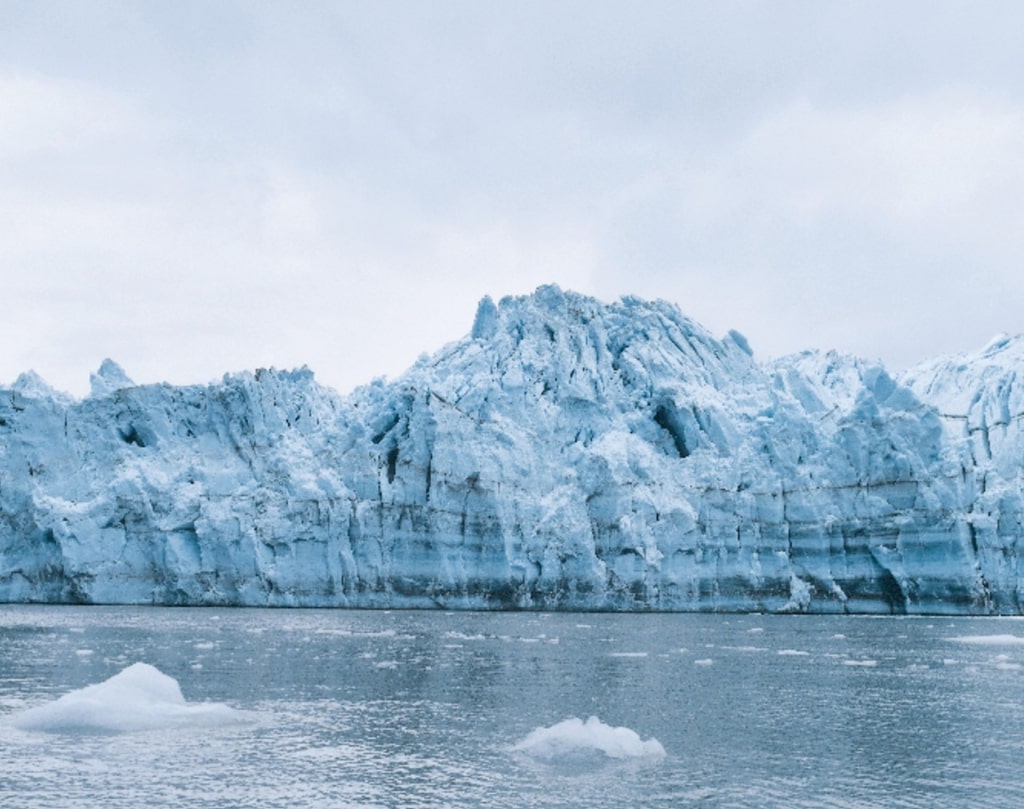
(576,738)
(139,698)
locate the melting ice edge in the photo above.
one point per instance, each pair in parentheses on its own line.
(567,454)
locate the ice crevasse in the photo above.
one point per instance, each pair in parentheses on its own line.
(566,454)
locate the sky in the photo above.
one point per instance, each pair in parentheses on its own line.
(194,188)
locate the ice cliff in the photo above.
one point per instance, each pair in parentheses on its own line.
(567,454)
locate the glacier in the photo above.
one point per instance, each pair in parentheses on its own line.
(566,454)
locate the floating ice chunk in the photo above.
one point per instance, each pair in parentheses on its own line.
(139,698)
(574,737)
(990,640)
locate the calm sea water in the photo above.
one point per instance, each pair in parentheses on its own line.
(422,709)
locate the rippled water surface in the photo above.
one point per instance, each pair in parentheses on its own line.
(420,709)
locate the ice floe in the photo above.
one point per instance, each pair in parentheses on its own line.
(140,697)
(574,737)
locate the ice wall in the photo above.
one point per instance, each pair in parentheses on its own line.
(567,454)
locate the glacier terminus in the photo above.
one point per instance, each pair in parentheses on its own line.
(566,454)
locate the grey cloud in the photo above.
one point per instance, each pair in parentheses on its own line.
(193,188)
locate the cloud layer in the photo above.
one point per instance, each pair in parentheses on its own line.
(193,189)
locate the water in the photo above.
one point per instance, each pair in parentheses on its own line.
(422,709)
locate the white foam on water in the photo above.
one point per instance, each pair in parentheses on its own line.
(990,640)
(575,738)
(627,654)
(140,697)
(706,661)
(863,663)
(793,653)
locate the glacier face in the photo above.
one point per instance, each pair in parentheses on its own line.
(567,454)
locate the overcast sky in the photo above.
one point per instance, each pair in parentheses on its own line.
(195,188)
